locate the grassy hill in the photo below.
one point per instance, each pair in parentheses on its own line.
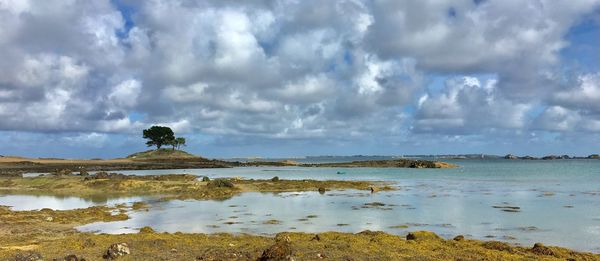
(161,154)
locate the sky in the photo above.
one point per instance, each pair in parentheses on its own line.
(82,79)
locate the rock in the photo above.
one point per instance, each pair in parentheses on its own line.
(147,230)
(496,245)
(540,249)
(322,190)
(220,183)
(29,256)
(205,179)
(117,250)
(510,156)
(370,233)
(422,235)
(275,179)
(373,189)
(101,175)
(281,250)
(459,238)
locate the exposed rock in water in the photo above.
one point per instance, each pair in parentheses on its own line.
(117,250)
(281,250)
(540,249)
(30,256)
(322,190)
(205,179)
(275,179)
(220,183)
(422,235)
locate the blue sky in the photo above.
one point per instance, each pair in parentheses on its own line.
(82,79)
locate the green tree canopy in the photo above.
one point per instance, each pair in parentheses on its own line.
(158,136)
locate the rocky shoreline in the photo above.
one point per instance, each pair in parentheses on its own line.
(25,165)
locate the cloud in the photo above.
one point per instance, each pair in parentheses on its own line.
(350,71)
(465,105)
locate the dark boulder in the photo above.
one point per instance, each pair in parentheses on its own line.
(322,190)
(205,179)
(275,179)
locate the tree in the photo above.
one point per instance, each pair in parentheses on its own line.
(180,141)
(158,136)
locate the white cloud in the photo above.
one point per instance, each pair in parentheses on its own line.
(349,69)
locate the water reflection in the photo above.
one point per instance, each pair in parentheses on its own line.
(395,212)
(36,202)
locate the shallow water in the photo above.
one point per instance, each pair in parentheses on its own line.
(558,201)
(31,202)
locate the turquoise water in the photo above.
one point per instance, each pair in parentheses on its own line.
(558,201)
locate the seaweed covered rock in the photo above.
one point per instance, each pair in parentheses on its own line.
(322,190)
(422,235)
(540,249)
(496,245)
(117,250)
(275,179)
(280,251)
(220,183)
(205,179)
(459,238)
(147,230)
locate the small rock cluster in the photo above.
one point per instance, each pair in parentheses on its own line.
(117,250)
